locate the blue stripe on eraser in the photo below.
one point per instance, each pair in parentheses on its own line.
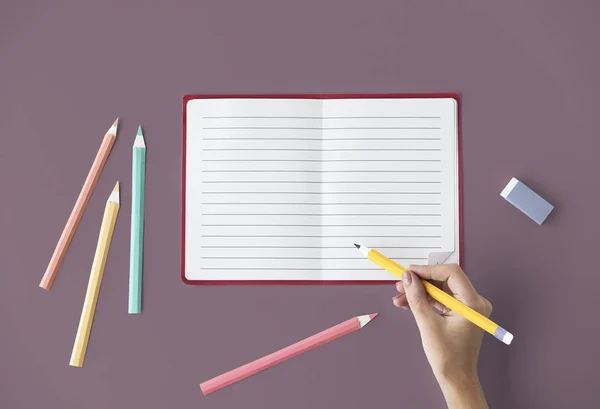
(503,335)
(526,200)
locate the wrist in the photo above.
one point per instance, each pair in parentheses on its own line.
(458,378)
(455,372)
(463,390)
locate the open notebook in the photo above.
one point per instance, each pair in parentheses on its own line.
(279,188)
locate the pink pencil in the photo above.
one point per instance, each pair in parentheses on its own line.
(78,209)
(286,353)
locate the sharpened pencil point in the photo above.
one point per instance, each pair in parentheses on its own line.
(373,315)
(139,139)
(365,319)
(113,129)
(114,195)
(363,249)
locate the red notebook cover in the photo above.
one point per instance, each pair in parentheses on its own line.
(191,97)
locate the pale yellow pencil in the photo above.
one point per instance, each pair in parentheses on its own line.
(91,295)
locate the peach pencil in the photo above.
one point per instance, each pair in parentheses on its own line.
(82,200)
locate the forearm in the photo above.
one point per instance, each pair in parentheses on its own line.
(463,393)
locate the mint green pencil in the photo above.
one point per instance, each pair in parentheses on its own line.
(138,176)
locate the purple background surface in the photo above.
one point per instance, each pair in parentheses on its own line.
(528,72)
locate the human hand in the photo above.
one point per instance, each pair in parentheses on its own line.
(451,343)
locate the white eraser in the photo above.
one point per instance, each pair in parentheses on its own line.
(526,200)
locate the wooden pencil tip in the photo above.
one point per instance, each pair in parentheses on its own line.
(114,195)
(373,315)
(113,128)
(365,319)
(139,139)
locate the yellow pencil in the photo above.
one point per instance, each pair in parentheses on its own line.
(91,296)
(441,296)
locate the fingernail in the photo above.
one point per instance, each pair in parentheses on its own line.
(398,284)
(406,278)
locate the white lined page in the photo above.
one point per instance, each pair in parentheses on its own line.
(419,133)
(279,189)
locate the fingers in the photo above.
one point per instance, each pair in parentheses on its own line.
(417,299)
(400,287)
(401,301)
(486,309)
(457,281)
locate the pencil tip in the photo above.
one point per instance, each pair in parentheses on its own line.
(113,128)
(373,315)
(357,245)
(365,319)
(114,195)
(139,139)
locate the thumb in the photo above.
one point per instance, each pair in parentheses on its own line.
(417,298)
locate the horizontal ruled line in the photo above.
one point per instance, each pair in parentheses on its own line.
(320,171)
(322,160)
(311,181)
(320,139)
(323,150)
(229,128)
(325,193)
(306,258)
(261,139)
(321,225)
(321,117)
(321,236)
(321,214)
(298,269)
(308,247)
(324,204)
